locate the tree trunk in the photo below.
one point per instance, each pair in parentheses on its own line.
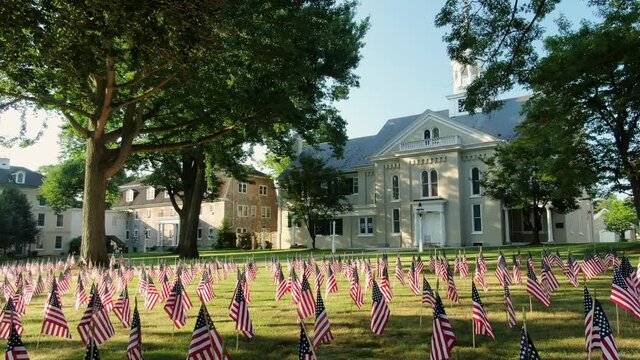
(634,183)
(194,184)
(94,245)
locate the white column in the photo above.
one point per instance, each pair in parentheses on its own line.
(549,225)
(443,229)
(333,237)
(507,229)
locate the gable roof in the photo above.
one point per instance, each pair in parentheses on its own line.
(500,123)
(32,179)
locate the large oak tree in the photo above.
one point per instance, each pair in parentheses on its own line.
(146,76)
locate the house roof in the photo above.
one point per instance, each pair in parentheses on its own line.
(500,123)
(32,179)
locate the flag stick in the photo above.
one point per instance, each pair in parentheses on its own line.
(617,321)
(473,334)
(530,304)
(421,307)
(237,339)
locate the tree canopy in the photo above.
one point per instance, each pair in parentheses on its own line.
(17,224)
(314,191)
(620,216)
(144,76)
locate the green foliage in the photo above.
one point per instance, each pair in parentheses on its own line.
(535,170)
(63,185)
(620,217)
(74,245)
(17,223)
(314,191)
(245,240)
(275,164)
(226,236)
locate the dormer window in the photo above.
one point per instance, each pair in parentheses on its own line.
(435,133)
(151,193)
(427,134)
(128,195)
(20,177)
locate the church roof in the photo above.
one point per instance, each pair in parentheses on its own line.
(500,123)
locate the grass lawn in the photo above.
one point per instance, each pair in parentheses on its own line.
(558,331)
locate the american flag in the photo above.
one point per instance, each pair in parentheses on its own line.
(511,313)
(54,322)
(479,276)
(442,339)
(10,318)
(591,339)
(427,293)
(7,289)
(92,352)
(239,312)
(201,346)
(530,263)
(527,349)
(622,295)
(142,285)
(431,266)
(332,285)
(368,275)
(39,286)
(107,293)
(481,264)
(535,289)
(419,265)
(502,270)
(452,292)
(355,291)
(629,275)
(322,329)
(122,308)
(15,349)
(602,331)
(151,295)
(282,286)
(134,349)
(295,286)
(609,259)
(464,267)
(204,289)
(572,269)
(414,279)
(95,320)
(481,325)
(379,310)
(307,305)
(399,271)
(319,277)
(305,351)
(591,266)
(166,288)
(178,304)
(517,275)
(385,285)
(81,295)
(549,281)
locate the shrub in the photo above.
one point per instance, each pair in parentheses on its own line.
(226,240)
(268,245)
(153,248)
(245,241)
(74,245)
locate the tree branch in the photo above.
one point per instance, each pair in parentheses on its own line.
(183,144)
(49,101)
(76,125)
(109,91)
(147,93)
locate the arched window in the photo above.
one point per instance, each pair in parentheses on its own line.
(475,181)
(433,176)
(435,133)
(395,188)
(425,183)
(427,134)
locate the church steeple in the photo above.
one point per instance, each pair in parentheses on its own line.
(463,76)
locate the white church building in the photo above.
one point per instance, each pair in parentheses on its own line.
(418,180)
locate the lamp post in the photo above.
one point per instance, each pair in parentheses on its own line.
(420,211)
(333,237)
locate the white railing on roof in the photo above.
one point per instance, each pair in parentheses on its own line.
(430,143)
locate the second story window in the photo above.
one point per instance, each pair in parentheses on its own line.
(352,185)
(263,190)
(427,134)
(243,211)
(40,219)
(395,188)
(429,183)
(475,181)
(242,187)
(266,212)
(59,220)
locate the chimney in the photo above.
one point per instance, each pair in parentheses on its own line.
(5,163)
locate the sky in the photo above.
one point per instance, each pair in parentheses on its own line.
(404,70)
